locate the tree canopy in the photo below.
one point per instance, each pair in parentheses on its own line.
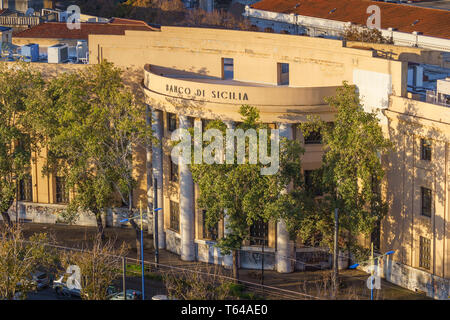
(240,193)
(19,87)
(351,173)
(93,123)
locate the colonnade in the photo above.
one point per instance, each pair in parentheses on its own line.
(284,246)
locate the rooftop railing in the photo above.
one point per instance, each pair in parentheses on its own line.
(438,98)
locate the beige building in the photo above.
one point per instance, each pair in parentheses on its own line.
(418,192)
(192,75)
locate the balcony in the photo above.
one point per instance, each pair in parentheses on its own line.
(213,90)
(438,98)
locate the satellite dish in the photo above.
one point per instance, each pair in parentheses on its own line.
(29,12)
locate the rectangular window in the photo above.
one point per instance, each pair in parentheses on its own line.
(62,195)
(259,233)
(314,240)
(209,233)
(426,201)
(174,216)
(171,121)
(425,253)
(314,137)
(173,170)
(191,122)
(425,149)
(26,189)
(283,73)
(228,68)
(311,183)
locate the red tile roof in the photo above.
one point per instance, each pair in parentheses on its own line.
(59,30)
(127,21)
(431,22)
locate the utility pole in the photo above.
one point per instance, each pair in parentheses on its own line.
(142,250)
(17,201)
(371,271)
(262,262)
(155,221)
(335,253)
(124,274)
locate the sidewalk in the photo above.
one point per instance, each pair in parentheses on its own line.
(309,282)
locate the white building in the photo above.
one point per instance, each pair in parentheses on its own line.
(407,25)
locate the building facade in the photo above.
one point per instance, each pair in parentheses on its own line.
(405,24)
(24,5)
(195,75)
(418,193)
(192,75)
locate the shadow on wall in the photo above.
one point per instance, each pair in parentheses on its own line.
(404,224)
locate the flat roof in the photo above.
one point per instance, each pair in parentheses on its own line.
(59,30)
(405,18)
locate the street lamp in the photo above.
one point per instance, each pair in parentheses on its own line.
(142,243)
(372,261)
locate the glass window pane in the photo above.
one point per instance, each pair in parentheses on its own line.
(259,233)
(174,216)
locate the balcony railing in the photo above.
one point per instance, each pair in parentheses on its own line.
(438,98)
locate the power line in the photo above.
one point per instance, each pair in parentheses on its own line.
(285,291)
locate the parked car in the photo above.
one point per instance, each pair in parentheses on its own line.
(131,295)
(160,297)
(41,280)
(19,295)
(61,288)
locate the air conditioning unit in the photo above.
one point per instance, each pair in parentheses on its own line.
(59,53)
(63,16)
(30,51)
(82,49)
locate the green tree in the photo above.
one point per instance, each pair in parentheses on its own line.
(351,172)
(19,86)
(98,267)
(241,194)
(19,258)
(93,123)
(364,34)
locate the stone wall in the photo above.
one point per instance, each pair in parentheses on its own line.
(173,242)
(208,252)
(413,279)
(252,257)
(312,259)
(52,213)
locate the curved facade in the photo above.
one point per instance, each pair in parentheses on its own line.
(181,99)
(190,75)
(194,75)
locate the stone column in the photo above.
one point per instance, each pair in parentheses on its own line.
(186,205)
(284,245)
(228,259)
(157,163)
(149,169)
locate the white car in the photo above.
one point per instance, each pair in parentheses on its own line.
(131,295)
(61,288)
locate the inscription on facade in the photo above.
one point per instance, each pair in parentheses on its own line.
(212,94)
